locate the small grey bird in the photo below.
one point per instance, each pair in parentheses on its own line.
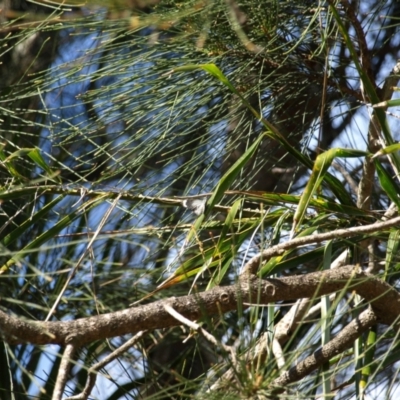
(197,206)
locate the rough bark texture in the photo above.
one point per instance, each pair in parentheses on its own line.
(384,300)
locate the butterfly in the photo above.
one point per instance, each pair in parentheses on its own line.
(197,206)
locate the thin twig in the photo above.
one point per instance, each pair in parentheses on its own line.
(337,345)
(348,178)
(196,327)
(92,373)
(62,375)
(92,240)
(254,263)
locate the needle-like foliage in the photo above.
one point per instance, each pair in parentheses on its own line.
(155,149)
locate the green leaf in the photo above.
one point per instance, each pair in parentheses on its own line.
(369,86)
(271,130)
(228,178)
(35,244)
(34,154)
(36,157)
(227,256)
(30,222)
(275,264)
(388,184)
(388,103)
(392,265)
(9,166)
(320,203)
(387,150)
(318,174)
(223,185)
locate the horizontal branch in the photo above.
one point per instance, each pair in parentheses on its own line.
(384,299)
(343,341)
(254,263)
(111,193)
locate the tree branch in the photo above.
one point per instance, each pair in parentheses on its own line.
(92,373)
(339,344)
(62,376)
(384,299)
(253,264)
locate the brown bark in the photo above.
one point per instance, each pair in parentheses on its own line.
(384,299)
